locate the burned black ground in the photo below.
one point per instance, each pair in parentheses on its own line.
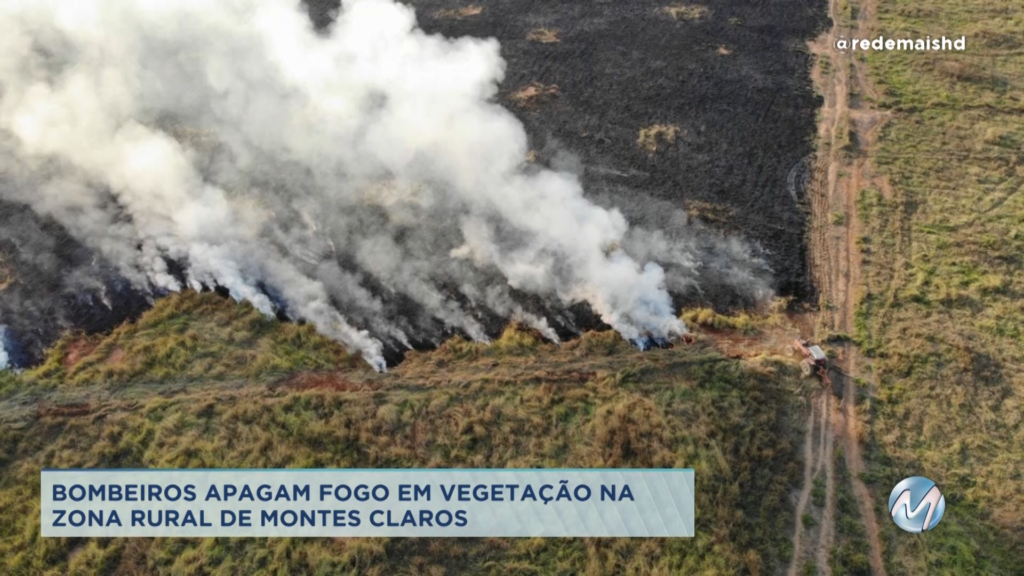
(707,108)
(50,283)
(732,78)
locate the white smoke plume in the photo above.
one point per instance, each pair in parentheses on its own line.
(366,170)
(5,358)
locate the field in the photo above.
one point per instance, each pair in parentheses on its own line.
(592,402)
(913,256)
(939,308)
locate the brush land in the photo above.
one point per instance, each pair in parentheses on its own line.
(939,311)
(149,395)
(936,223)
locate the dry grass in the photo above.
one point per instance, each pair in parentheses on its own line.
(520,402)
(708,318)
(657,137)
(458,13)
(534,94)
(192,336)
(686,12)
(543,35)
(710,212)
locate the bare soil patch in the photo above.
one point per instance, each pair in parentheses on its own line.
(78,350)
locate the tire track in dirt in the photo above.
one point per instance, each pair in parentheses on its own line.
(828,515)
(824,423)
(805,490)
(842,170)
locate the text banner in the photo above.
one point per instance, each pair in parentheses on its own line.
(347,503)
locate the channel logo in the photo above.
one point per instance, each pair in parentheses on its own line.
(916,504)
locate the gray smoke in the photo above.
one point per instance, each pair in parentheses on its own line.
(345,178)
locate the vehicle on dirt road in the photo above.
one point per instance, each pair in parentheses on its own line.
(814,361)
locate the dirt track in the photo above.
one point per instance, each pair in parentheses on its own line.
(841,171)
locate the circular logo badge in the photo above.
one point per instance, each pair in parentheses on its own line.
(916,504)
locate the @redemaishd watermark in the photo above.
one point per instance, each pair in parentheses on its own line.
(916,504)
(939,43)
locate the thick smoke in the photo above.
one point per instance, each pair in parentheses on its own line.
(365,171)
(50,284)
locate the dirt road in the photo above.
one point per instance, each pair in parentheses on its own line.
(847,134)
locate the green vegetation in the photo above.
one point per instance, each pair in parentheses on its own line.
(520,402)
(191,336)
(818,492)
(708,318)
(942,304)
(9,382)
(850,551)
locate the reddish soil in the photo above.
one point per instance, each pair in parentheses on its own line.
(116,356)
(78,350)
(63,411)
(735,344)
(841,171)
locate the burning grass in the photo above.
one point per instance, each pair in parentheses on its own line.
(520,402)
(941,307)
